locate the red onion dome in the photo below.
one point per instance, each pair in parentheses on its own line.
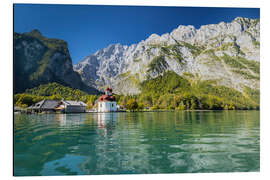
(108,89)
(106,98)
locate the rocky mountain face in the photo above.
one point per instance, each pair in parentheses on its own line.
(39,60)
(228,53)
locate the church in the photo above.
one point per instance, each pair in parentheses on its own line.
(107,103)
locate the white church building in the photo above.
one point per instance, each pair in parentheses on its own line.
(107,103)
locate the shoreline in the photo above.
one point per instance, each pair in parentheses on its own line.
(89,112)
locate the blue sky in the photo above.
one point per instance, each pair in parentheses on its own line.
(88,28)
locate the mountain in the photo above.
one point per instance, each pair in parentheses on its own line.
(40,60)
(227,53)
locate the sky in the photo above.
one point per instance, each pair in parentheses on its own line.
(88,28)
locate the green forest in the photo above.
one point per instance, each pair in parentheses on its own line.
(167,92)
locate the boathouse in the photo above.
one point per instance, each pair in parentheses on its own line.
(50,106)
(71,106)
(45,105)
(107,103)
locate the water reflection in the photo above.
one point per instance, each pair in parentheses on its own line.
(70,120)
(106,122)
(120,143)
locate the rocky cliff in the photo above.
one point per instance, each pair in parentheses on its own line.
(39,60)
(228,53)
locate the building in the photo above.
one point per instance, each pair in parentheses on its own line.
(46,106)
(50,106)
(71,106)
(107,103)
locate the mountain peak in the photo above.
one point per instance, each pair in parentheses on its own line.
(153,38)
(243,20)
(35,33)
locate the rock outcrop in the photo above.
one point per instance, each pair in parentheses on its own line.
(39,60)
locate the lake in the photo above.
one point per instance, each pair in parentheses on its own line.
(136,143)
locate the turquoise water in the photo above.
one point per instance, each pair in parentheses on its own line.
(136,143)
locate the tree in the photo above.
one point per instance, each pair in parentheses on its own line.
(132,104)
(146,100)
(155,107)
(55,97)
(89,104)
(140,106)
(181,106)
(25,99)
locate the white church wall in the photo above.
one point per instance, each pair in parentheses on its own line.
(107,106)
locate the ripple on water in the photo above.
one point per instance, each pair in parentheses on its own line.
(120,143)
